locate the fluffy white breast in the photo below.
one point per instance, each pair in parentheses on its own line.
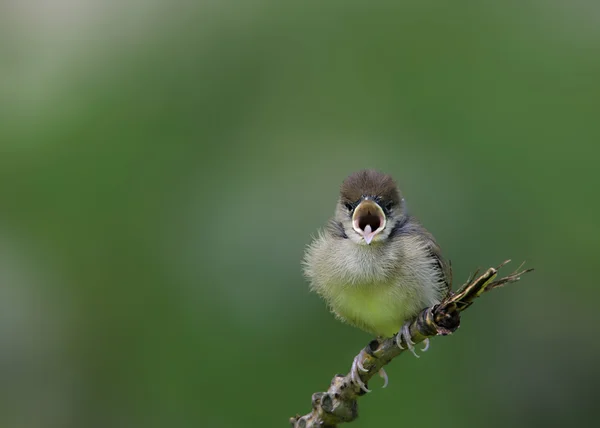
(374,287)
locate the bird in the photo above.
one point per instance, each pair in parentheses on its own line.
(374,264)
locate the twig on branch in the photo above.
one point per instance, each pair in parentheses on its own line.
(338,404)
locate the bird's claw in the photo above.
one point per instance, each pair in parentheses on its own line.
(354,371)
(384,376)
(357,367)
(360,366)
(404,333)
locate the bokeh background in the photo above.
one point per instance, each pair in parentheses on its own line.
(164,164)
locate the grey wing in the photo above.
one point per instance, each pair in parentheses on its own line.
(409,225)
(445,267)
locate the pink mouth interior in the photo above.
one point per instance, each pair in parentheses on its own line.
(370,219)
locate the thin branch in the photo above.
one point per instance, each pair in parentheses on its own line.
(339,403)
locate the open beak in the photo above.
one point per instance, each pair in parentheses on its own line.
(368,220)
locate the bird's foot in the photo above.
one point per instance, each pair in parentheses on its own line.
(358,367)
(404,333)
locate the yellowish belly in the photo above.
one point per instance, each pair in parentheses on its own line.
(380,310)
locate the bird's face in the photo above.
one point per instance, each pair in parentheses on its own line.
(369,206)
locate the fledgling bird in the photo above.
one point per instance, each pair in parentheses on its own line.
(375,265)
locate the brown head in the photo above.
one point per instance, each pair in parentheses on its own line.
(370,204)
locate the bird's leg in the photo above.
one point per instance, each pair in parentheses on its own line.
(405,333)
(357,366)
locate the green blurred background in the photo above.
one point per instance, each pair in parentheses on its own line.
(164,164)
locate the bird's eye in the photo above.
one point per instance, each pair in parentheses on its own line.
(389,206)
(348,206)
